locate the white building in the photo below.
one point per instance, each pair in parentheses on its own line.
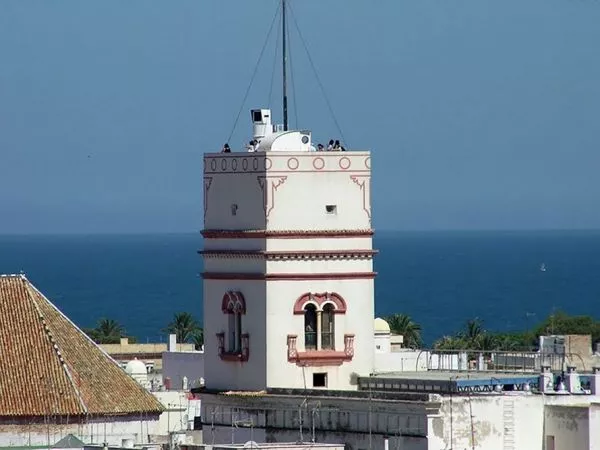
(292,349)
(288,270)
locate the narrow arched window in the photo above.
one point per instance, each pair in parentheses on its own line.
(328,327)
(310,327)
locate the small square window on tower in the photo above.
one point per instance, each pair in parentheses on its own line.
(331,209)
(319,379)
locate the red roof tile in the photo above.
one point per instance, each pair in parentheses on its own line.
(49,366)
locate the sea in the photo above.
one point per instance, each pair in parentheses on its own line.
(511,280)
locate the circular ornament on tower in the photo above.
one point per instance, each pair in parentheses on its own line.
(318,163)
(345,163)
(293,163)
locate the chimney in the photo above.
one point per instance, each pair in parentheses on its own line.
(172,343)
(546,380)
(572,380)
(595,381)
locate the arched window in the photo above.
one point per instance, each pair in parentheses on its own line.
(310,327)
(328,327)
(234,305)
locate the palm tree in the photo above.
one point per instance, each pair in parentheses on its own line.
(473,333)
(107,331)
(449,343)
(404,325)
(183,325)
(198,338)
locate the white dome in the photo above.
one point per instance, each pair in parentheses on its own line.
(381,326)
(136,367)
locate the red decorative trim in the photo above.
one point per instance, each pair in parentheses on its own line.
(319,163)
(364,183)
(207,183)
(288,276)
(269,185)
(233,303)
(320,300)
(259,163)
(285,234)
(291,255)
(344,163)
(320,358)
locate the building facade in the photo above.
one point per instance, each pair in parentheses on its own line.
(288,266)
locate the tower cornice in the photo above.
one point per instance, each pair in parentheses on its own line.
(291,254)
(285,234)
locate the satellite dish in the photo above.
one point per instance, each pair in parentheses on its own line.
(251,444)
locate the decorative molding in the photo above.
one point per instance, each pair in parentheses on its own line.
(284,163)
(241,356)
(207,184)
(364,183)
(320,358)
(288,276)
(233,303)
(292,255)
(285,234)
(320,300)
(269,185)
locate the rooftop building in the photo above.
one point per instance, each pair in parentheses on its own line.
(54,373)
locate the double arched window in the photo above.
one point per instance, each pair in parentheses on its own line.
(234,305)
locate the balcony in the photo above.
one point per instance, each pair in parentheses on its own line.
(240,355)
(319,358)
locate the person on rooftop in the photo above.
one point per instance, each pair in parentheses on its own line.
(226,149)
(338,147)
(320,148)
(330,145)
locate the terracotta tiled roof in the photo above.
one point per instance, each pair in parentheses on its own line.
(49,366)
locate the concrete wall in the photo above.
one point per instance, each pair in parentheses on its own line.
(176,365)
(219,374)
(267,189)
(568,427)
(336,420)
(490,422)
(358,320)
(179,413)
(594,425)
(111,431)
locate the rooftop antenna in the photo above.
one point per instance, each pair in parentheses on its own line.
(284,54)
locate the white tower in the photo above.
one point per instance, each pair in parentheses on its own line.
(288,266)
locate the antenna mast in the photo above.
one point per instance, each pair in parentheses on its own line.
(285,102)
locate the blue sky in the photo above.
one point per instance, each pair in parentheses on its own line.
(480,114)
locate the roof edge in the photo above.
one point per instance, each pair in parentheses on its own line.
(28,287)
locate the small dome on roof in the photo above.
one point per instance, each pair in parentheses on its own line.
(381,326)
(135,367)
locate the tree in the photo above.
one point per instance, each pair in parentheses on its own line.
(184,326)
(449,343)
(473,333)
(404,325)
(561,323)
(198,338)
(107,331)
